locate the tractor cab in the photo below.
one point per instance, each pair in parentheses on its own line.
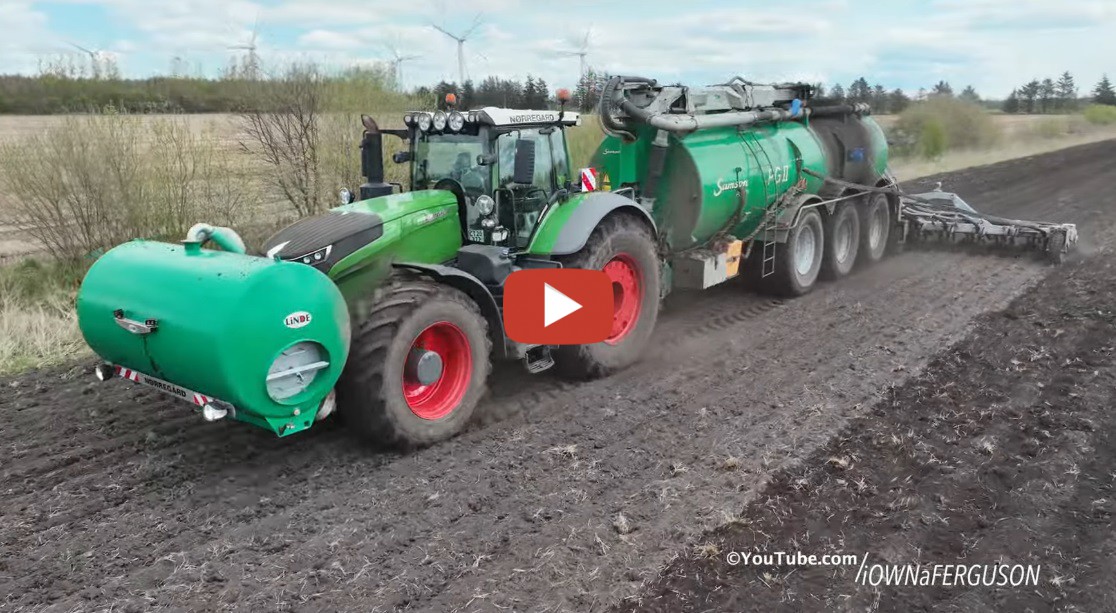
(504,166)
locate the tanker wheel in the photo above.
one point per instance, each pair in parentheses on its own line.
(875,229)
(798,261)
(623,248)
(417,367)
(842,240)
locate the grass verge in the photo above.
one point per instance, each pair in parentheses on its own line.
(38,325)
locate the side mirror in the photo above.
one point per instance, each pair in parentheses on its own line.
(486,160)
(524,172)
(401,157)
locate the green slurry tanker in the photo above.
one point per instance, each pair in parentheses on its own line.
(389,307)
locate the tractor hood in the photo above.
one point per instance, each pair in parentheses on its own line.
(324,240)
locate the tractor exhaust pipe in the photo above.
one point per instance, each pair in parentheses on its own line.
(372,161)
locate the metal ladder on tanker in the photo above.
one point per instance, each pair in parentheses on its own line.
(771,215)
(771,218)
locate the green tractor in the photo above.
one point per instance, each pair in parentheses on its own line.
(390,308)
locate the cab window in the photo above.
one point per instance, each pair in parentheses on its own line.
(544,160)
(561,160)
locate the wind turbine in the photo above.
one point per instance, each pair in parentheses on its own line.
(397,64)
(581,52)
(460,44)
(94,60)
(252,67)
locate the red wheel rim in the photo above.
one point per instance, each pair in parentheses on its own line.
(440,398)
(627,295)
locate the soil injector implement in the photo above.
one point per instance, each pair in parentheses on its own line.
(390,306)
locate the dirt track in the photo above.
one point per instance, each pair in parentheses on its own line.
(571,498)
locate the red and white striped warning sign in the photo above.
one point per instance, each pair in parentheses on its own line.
(589,179)
(128,374)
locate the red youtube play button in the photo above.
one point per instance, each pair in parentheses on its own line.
(558,306)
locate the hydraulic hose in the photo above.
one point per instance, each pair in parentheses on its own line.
(226,238)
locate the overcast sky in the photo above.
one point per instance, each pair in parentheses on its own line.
(992,44)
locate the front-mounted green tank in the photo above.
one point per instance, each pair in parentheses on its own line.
(263,340)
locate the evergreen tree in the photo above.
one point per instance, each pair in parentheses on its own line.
(838,93)
(969,94)
(1011,104)
(879,99)
(1028,95)
(943,88)
(530,93)
(860,91)
(542,95)
(588,92)
(1103,92)
(898,101)
(468,96)
(1047,92)
(1067,92)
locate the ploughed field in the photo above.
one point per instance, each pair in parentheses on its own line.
(566,497)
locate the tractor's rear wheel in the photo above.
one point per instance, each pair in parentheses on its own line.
(842,239)
(624,249)
(418,365)
(798,261)
(875,229)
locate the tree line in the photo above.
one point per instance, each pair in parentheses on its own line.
(59,89)
(533,93)
(1057,96)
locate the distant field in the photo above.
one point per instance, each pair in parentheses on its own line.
(1022,136)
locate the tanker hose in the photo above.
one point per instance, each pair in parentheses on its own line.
(226,238)
(608,123)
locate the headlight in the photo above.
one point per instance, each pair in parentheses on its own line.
(345,195)
(408,119)
(485,205)
(295,370)
(439,121)
(456,121)
(424,122)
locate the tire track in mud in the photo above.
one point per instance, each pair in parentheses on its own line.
(276,521)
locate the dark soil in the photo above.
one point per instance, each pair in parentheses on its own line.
(1002,451)
(564,497)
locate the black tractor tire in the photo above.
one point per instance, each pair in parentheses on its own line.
(788,279)
(876,227)
(372,397)
(627,239)
(842,240)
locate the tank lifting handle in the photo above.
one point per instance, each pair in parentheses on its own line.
(133,326)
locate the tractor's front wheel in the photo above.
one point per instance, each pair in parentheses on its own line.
(417,367)
(624,249)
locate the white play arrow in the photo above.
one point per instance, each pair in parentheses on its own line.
(556,305)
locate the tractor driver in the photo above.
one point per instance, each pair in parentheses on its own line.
(465,172)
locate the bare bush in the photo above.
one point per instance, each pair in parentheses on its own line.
(286,137)
(95,181)
(308,136)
